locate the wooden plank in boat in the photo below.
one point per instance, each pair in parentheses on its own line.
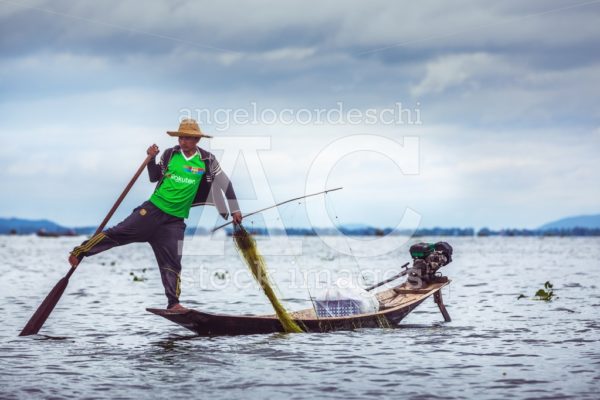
(411,291)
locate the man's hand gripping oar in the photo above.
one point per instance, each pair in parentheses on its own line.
(40,316)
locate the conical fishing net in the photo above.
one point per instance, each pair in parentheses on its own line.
(246,245)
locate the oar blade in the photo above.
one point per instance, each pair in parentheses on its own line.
(41,315)
(38,319)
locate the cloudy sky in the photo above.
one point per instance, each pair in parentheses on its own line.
(501,98)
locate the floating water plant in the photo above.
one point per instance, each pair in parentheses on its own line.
(544,294)
(221,275)
(137,278)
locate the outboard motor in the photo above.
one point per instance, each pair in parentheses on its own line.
(428,258)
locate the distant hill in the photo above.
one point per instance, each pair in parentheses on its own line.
(580,221)
(28,225)
(583,225)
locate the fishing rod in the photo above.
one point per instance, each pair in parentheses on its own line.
(277,205)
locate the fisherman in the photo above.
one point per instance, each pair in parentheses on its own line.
(187,176)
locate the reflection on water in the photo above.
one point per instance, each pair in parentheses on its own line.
(100,342)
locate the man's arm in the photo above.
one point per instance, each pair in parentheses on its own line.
(222,180)
(155,171)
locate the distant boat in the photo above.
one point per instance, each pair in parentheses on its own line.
(43,233)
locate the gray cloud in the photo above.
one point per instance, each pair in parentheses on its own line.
(513,69)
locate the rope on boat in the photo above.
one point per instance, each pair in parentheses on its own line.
(246,245)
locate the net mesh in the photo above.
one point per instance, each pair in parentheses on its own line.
(246,246)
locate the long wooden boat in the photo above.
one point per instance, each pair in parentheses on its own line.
(395,304)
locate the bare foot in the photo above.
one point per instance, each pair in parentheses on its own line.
(177,307)
(74,261)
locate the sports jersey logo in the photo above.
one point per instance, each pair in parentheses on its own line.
(193,170)
(181,179)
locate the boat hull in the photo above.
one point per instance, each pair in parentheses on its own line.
(396,304)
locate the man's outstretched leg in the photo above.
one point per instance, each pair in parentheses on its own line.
(137,227)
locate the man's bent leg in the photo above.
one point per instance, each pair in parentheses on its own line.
(137,227)
(166,246)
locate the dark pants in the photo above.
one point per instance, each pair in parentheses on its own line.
(147,223)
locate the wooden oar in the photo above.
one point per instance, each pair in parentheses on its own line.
(41,315)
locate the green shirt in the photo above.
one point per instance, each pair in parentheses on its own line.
(176,193)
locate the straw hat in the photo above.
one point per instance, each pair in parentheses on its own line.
(188,127)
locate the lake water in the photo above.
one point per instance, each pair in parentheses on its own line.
(100,343)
